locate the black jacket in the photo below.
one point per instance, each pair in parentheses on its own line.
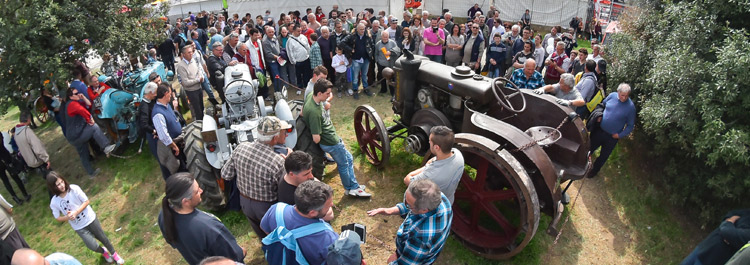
(347,44)
(144,121)
(593,122)
(215,64)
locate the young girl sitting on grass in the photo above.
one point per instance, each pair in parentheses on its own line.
(70,204)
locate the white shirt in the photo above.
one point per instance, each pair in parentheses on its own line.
(73,200)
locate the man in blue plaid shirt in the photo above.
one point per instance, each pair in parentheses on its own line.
(427,222)
(527,77)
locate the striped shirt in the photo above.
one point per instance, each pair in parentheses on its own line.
(258,170)
(421,237)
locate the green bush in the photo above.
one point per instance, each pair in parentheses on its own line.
(687,62)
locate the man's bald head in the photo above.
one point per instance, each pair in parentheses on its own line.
(27,256)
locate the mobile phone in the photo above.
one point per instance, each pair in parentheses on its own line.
(360,229)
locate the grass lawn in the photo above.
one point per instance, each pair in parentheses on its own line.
(618,219)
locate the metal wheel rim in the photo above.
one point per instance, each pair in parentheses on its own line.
(372,135)
(42,113)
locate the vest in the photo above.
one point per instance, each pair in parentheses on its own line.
(173,125)
(73,125)
(474,47)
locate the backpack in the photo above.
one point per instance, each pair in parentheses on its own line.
(289,238)
(597,98)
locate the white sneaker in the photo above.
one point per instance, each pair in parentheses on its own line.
(359,192)
(299,92)
(108,150)
(118,259)
(107,256)
(350,92)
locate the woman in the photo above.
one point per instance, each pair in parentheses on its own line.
(407,41)
(319,15)
(453,45)
(539,52)
(520,58)
(417,29)
(80,128)
(70,204)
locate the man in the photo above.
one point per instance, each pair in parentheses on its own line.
(473,48)
(241,56)
(587,87)
(319,72)
(298,50)
(257,60)
(552,35)
(446,168)
(168,128)
(554,64)
(324,134)
(258,170)
(313,199)
(427,222)
(200,59)
(31,148)
(334,12)
(434,39)
(166,51)
(202,37)
(272,54)
(145,123)
(385,59)
(449,22)
(27,256)
(231,48)
(298,166)
(216,66)
(518,44)
(527,77)
(564,92)
(596,54)
(570,41)
(724,241)
(306,31)
(360,47)
(425,17)
(580,63)
(194,233)
(616,122)
(313,23)
(407,19)
(526,19)
(327,50)
(512,35)
(194,37)
(394,30)
(473,10)
(190,75)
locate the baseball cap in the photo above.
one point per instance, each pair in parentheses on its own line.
(271,125)
(394,20)
(345,250)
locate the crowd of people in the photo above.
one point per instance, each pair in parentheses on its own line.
(340,52)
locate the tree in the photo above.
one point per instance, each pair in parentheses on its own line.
(687,62)
(41,39)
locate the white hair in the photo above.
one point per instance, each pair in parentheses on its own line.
(408,14)
(447,14)
(560,43)
(623,88)
(266,138)
(150,88)
(376,22)
(529,61)
(516,27)
(425,13)
(568,79)
(324,28)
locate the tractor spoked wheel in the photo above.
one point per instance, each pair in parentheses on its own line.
(40,110)
(496,208)
(208,178)
(372,135)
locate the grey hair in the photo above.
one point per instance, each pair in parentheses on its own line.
(324,28)
(568,79)
(376,22)
(234,35)
(623,88)
(442,20)
(311,195)
(216,44)
(241,44)
(266,138)
(212,30)
(560,44)
(425,12)
(408,14)
(528,61)
(516,27)
(150,88)
(447,14)
(426,193)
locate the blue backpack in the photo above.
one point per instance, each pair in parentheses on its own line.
(288,238)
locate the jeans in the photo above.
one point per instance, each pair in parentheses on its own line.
(275,68)
(344,162)
(435,58)
(601,138)
(81,145)
(207,87)
(91,233)
(359,69)
(494,73)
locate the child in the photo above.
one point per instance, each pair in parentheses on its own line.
(496,56)
(339,64)
(72,205)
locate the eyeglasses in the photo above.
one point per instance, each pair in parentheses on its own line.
(474,28)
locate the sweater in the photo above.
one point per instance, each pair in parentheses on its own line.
(618,117)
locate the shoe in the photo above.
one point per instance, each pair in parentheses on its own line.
(118,259)
(356,95)
(18,200)
(350,92)
(107,256)
(338,94)
(299,92)
(213,101)
(329,160)
(108,150)
(96,172)
(393,98)
(359,192)
(565,199)
(27,198)
(368,93)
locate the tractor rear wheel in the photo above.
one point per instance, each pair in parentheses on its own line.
(208,179)
(496,208)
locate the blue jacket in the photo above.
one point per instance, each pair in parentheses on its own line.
(497,52)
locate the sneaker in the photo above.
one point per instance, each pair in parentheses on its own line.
(27,198)
(96,172)
(18,200)
(356,95)
(359,192)
(108,150)
(299,92)
(107,256)
(338,94)
(368,93)
(118,259)
(350,92)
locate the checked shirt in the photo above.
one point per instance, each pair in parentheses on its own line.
(420,238)
(258,170)
(519,78)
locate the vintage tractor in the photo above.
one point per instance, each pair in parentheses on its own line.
(116,108)
(209,143)
(518,147)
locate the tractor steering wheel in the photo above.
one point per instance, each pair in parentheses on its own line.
(503,99)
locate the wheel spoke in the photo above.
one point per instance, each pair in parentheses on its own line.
(468,183)
(496,215)
(463,195)
(481,174)
(374,155)
(374,142)
(474,221)
(500,195)
(367,123)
